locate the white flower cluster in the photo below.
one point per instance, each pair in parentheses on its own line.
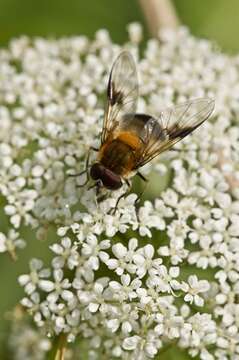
(133,307)
(165,272)
(24,341)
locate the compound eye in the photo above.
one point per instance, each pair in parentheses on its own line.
(96,171)
(111,180)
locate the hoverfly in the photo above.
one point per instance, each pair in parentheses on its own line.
(129,139)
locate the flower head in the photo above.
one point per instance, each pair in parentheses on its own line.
(134,281)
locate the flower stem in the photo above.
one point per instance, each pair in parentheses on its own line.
(61,348)
(13,255)
(159,14)
(11,250)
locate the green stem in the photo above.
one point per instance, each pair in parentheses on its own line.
(61,348)
(13,256)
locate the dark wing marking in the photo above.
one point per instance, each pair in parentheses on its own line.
(122,93)
(173,125)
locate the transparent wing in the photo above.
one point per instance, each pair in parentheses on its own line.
(122,93)
(173,125)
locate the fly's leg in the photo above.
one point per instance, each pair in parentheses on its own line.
(128,190)
(86,167)
(101,197)
(179,150)
(141,193)
(113,211)
(142,177)
(98,184)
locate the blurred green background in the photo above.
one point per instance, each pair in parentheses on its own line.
(213,19)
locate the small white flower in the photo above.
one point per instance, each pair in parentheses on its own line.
(95,299)
(35,278)
(11,242)
(193,288)
(149,218)
(144,260)
(66,254)
(164,279)
(58,288)
(124,260)
(127,289)
(177,231)
(131,343)
(94,251)
(175,251)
